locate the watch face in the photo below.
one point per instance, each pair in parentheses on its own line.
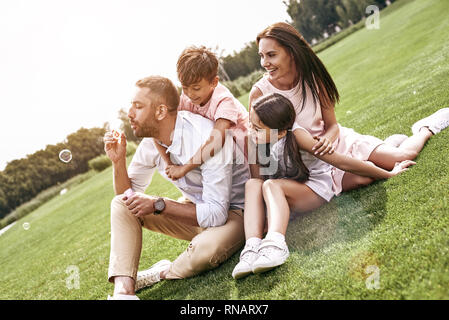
(159,205)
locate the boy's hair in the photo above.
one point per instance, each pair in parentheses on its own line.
(163,91)
(195,64)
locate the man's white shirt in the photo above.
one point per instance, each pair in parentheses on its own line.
(215,187)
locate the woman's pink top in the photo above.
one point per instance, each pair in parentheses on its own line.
(309,117)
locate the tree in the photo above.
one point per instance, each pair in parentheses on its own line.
(24,178)
(313,18)
(4,208)
(126,126)
(243,62)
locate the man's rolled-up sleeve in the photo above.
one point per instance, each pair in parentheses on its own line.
(143,166)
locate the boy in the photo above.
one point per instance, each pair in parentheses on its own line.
(197,70)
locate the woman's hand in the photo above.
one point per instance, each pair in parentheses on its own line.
(323,146)
(402,166)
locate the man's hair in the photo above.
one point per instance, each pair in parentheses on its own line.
(162,90)
(195,64)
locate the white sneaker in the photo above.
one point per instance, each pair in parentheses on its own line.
(271,255)
(247,257)
(123,297)
(395,140)
(435,122)
(151,276)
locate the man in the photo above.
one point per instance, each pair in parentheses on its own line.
(213,218)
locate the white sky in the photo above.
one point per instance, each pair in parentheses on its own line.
(71,64)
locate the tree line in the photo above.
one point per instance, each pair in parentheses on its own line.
(314,19)
(23,179)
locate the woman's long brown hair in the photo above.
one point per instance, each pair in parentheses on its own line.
(311,71)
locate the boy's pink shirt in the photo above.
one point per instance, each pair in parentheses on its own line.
(223,105)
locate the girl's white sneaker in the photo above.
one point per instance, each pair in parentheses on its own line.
(271,255)
(247,257)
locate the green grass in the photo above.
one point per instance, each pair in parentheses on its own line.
(43,197)
(324,44)
(244,98)
(400,225)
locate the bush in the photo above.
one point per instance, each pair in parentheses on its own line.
(233,88)
(100,163)
(322,45)
(242,85)
(131,148)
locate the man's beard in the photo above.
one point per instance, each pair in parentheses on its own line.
(147,130)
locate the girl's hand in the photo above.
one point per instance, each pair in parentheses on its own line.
(323,146)
(175,172)
(400,167)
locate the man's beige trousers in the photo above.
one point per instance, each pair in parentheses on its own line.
(207,249)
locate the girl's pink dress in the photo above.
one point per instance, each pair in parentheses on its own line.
(349,142)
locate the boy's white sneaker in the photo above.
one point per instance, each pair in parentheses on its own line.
(151,276)
(435,122)
(395,140)
(271,255)
(248,255)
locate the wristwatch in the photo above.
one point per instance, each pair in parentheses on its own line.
(159,206)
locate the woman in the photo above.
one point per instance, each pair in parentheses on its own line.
(295,71)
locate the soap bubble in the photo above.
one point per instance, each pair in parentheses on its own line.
(116,134)
(115,126)
(26,225)
(65,155)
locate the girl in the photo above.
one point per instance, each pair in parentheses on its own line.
(294,70)
(293,186)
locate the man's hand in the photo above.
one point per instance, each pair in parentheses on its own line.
(140,204)
(114,150)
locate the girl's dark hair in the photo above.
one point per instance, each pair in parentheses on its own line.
(277,112)
(311,71)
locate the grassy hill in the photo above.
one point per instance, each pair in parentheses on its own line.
(388,79)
